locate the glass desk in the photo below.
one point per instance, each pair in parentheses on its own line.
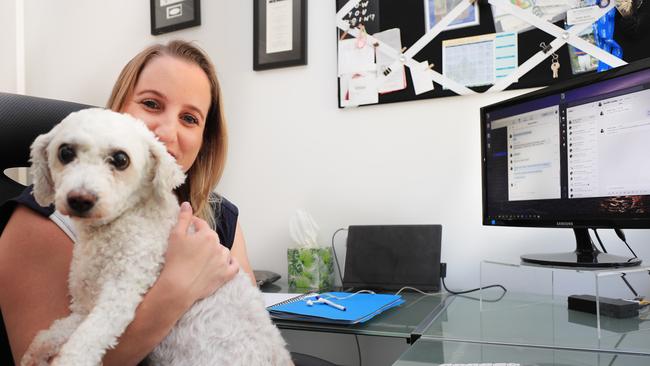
(538,321)
(407,321)
(431,352)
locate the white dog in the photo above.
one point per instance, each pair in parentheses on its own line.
(110,174)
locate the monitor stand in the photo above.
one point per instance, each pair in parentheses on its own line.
(585,255)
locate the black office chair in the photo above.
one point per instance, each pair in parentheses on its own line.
(22,118)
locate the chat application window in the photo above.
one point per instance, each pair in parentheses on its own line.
(608,147)
(533,155)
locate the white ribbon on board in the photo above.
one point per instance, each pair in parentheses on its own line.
(562,36)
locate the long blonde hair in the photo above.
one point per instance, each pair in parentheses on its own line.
(205,173)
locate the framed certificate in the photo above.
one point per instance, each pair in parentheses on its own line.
(279,33)
(171,15)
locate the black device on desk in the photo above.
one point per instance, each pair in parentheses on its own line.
(263,277)
(572,155)
(389,257)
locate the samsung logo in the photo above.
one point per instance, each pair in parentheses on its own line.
(564,223)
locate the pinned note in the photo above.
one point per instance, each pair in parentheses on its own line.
(359,88)
(392,80)
(353,58)
(421,76)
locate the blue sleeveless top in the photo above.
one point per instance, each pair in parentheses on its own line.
(226,220)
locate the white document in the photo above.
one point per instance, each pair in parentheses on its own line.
(469,60)
(279,26)
(550,10)
(359,88)
(353,59)
(480,60)
(396,79)
(271,299)
(506,56)
(582,15)
(421,76)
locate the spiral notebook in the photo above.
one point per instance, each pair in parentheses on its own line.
(358,308)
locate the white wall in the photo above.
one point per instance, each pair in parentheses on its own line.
(291,147)
(8,46)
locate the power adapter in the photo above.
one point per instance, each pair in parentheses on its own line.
(613,308)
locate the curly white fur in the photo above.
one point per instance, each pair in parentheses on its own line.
(120,252)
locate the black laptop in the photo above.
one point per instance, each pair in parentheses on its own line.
(385,258)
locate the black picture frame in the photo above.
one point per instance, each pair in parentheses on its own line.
(172,15)
(297,55)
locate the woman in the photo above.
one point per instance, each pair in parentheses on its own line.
(174,90)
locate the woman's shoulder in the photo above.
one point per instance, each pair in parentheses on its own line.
(226,215)
(25,198)
(227,207)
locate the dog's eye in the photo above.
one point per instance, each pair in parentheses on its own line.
(119,160)
(66,154)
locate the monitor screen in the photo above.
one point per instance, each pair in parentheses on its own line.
(573,155)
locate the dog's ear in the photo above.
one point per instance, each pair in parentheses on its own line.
(167,173)
(40,170)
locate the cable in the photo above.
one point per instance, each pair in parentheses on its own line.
(599,241)
(358,348)
(636,295)
(472,290)
(503,294)
(443,274)
(338,267)
(336,259)
(418,290)
(330,296)
(621,235)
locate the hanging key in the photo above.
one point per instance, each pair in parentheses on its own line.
(555,66)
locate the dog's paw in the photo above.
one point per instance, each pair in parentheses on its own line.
(43,348)
(35,359)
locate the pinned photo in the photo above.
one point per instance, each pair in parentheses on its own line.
(436,10)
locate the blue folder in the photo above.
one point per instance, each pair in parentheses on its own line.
(358,308)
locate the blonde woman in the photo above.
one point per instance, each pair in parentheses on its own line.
(174,89)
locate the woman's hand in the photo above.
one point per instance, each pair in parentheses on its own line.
(196,264)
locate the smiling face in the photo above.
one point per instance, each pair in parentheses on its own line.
(172,97)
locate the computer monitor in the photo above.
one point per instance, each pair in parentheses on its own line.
(572,155)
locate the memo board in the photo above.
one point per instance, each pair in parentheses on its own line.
(418,46)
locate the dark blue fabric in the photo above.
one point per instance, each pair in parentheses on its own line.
(226,219)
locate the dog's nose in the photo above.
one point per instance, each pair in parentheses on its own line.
(81,200)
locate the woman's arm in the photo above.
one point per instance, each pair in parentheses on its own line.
(35,259)
(238,251)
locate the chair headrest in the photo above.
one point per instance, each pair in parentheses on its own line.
(22,118)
